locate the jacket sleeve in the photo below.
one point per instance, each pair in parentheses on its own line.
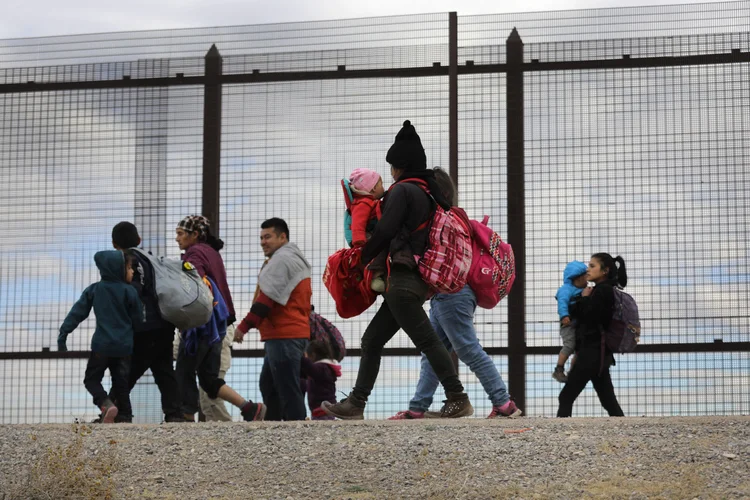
(315,371)
(563,301)
(136,309)
(258,312)
(361,213)
(79,312)
(392,220)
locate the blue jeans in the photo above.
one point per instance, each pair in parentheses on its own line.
(279,379)
(452,316)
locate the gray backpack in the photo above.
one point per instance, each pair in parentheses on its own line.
(184,299)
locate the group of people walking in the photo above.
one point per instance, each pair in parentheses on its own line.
(131,336)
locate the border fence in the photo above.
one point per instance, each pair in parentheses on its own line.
(619,130)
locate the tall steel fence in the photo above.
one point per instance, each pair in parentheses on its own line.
(618,130)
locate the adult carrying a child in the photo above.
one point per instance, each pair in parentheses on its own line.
(594,311)
(403,233)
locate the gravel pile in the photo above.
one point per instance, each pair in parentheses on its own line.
(522,458)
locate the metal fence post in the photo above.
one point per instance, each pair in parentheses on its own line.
(516,219)
(212,138)
(453,97)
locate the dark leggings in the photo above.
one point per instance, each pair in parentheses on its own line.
(402,309)
(586,367)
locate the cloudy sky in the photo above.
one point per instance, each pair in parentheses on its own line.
(32,18)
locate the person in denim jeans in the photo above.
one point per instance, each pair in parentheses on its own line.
(452,317)
(400,233)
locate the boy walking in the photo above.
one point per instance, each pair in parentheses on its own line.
(117,308)
(153,338)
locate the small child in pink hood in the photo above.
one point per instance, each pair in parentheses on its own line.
(319,373)
(367,189)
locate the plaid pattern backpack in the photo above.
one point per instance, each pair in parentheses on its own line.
(322,329)
(493,268)
(446,262)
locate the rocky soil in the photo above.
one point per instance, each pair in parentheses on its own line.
(522,458)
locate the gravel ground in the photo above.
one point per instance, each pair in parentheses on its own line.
(522,458)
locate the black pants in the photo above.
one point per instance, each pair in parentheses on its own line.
(205,363)
(119,370)
(402,309)
(153,350)
(586,367)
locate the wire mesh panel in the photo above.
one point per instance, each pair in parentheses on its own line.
(74,164)
(653,385)
(648,164)
(285,149)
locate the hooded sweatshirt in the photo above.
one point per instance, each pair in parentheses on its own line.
(320,377)
(116,305)
(208,262)
(568,290)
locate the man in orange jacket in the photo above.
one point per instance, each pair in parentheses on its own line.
(281,311)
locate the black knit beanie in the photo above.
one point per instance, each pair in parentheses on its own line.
(407,152)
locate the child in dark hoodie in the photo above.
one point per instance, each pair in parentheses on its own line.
(117,308)
(574,281)
(319,373)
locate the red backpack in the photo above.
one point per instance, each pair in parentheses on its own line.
(347,283)
(447,259)
(493,268)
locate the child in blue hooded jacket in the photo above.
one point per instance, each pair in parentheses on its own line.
(117,308)
(574,281)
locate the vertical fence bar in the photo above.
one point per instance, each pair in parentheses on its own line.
(212,138)
(453,111)
(453,96)
(516,219)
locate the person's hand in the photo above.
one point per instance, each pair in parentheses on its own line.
(61,346)
(587,291)
(565,321)
(239,336)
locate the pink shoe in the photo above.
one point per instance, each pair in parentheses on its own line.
(407,415)
(509,410)
(109,412)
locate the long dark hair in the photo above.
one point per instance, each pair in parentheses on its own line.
(443,179)
(615,268)
(212,240)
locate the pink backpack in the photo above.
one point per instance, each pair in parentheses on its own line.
(493,268)
(446,262)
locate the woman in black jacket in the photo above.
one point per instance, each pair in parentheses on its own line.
(406,207)
(594,312)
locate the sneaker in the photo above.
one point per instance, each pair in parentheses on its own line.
(349,408)
(253,412)
(559,375)
(378,285)
(457,405)
(509,410)
(407,415)
(109,412)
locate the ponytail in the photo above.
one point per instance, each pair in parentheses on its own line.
(622,274)
(213,241)
(615,267)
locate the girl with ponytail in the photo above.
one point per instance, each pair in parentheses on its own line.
(594,312)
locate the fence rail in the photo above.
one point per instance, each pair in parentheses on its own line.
(640,149)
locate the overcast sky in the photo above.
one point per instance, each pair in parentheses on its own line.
(32,18)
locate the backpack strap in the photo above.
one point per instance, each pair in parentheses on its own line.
(426,188)
(348,195)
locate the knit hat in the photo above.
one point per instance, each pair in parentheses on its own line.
(407,152)
(193,223)
(363,180)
